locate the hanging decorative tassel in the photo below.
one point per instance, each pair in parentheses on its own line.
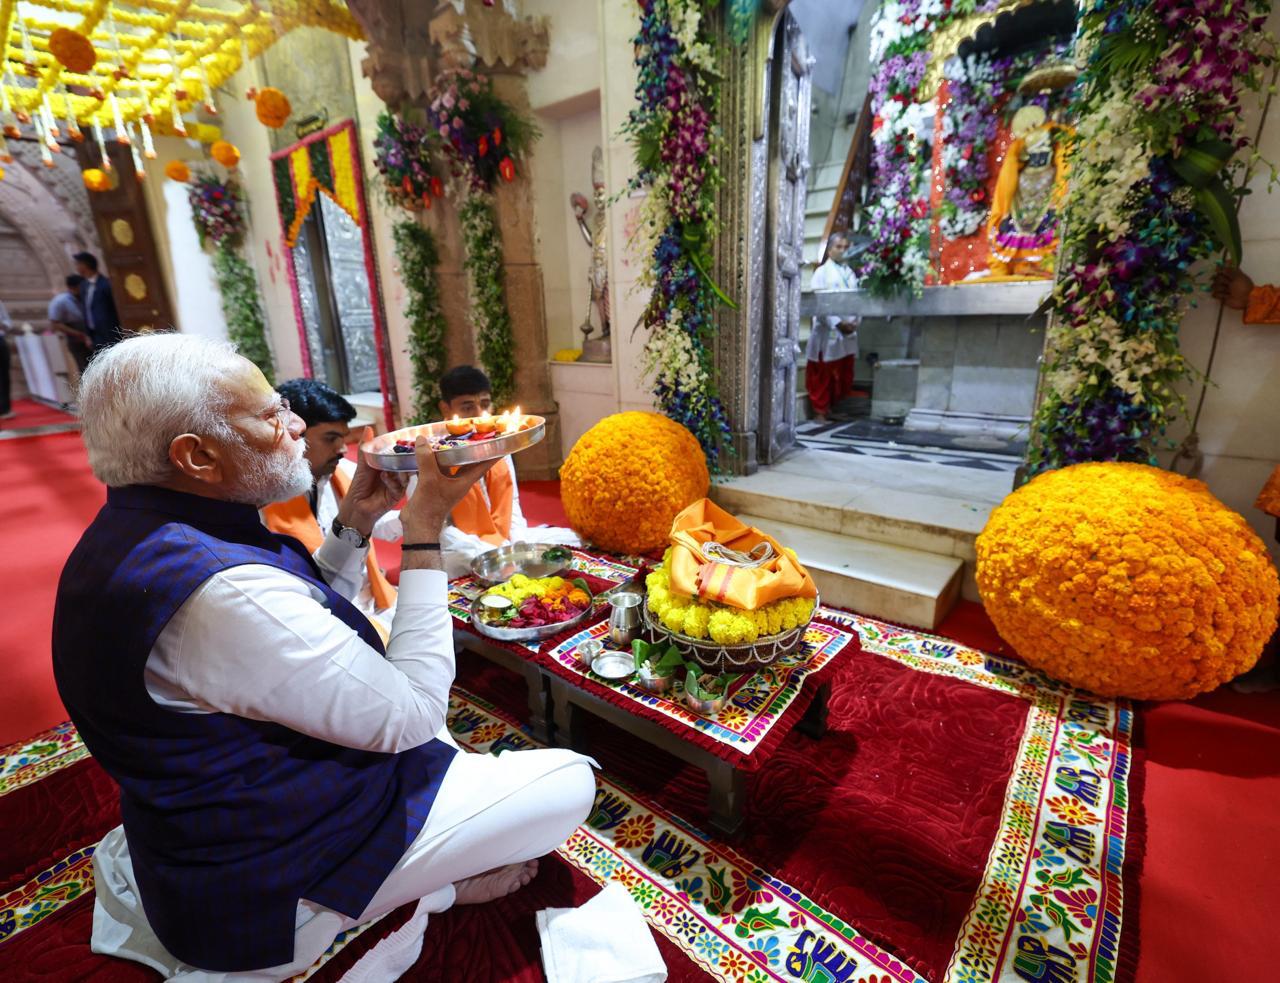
(5,156)
(46,155)
(73,128)
(209,106)
(122,134)
(102,145)
(8,118)
(139,168)
(176,93)
(148,145)
(50,121)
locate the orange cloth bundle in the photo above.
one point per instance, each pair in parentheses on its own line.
(700,537)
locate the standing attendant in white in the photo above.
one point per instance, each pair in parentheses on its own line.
(833,342)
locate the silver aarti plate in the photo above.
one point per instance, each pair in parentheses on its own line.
(380,451)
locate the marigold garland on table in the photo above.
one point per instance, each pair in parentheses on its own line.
(486,293)
(1160,123)
(722,624)
(628,477)
(1127,580)
(418,257)
(677,146)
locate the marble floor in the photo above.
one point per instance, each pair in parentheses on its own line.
(869,438)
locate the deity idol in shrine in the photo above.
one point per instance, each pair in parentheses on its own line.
(1023,226)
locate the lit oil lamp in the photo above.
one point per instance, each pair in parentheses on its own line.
(511,421)
(457,427)
(485,424)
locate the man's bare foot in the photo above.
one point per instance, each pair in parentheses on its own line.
(495,884)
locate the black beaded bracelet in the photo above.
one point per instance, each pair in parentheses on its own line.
(420,546)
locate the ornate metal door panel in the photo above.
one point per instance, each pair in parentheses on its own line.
(352,297)
(789,86)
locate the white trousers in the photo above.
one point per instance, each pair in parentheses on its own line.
(490,811)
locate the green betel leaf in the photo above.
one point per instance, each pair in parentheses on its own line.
(1218,206)
(670,661)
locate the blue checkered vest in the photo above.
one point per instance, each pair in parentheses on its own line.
(229,821)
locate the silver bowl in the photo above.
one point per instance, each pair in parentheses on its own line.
(587,651)
(708,708)
(614,665)
(500,565)
(657,685)
(378,452)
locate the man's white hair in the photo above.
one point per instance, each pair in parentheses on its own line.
(138,395)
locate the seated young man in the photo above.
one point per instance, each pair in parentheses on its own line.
(312,515)
(489,516)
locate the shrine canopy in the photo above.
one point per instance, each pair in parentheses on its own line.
(69,64)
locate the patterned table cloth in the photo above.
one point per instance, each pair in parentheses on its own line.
(758,715)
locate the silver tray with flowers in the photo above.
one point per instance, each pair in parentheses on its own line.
(740,658)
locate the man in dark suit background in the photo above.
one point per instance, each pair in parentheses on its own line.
(101,316)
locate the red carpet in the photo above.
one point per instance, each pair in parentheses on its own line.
(1212,790)
(29,413)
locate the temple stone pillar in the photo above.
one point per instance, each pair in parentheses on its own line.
(409,42)
(757,260)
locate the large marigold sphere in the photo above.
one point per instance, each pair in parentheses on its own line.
(73,50)
(1128,581)
(628,477)
(272,107)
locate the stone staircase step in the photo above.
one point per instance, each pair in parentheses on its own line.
(926,507)
(879,580)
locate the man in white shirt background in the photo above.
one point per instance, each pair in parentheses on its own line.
(282,777)
(833,342)
(308,517)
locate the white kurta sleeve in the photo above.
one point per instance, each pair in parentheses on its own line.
(257,642)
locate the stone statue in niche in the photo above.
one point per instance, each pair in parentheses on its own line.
(590,218)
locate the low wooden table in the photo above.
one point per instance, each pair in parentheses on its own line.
(739,740)
(726,780)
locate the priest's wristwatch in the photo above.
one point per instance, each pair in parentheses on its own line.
(352,537)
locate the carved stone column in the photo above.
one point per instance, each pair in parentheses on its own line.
(756,259)
(408,43)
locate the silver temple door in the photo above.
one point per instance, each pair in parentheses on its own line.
(789,83)
(336,299)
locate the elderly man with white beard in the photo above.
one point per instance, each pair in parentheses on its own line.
(282,777)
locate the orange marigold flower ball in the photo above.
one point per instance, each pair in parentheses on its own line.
(1127,580)
(272,107)
(628,477)
(226,154)
(73,50)
(177,170)
(96,179)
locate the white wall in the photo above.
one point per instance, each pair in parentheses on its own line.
(1240,424)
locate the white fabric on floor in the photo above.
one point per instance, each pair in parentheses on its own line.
(604,941)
